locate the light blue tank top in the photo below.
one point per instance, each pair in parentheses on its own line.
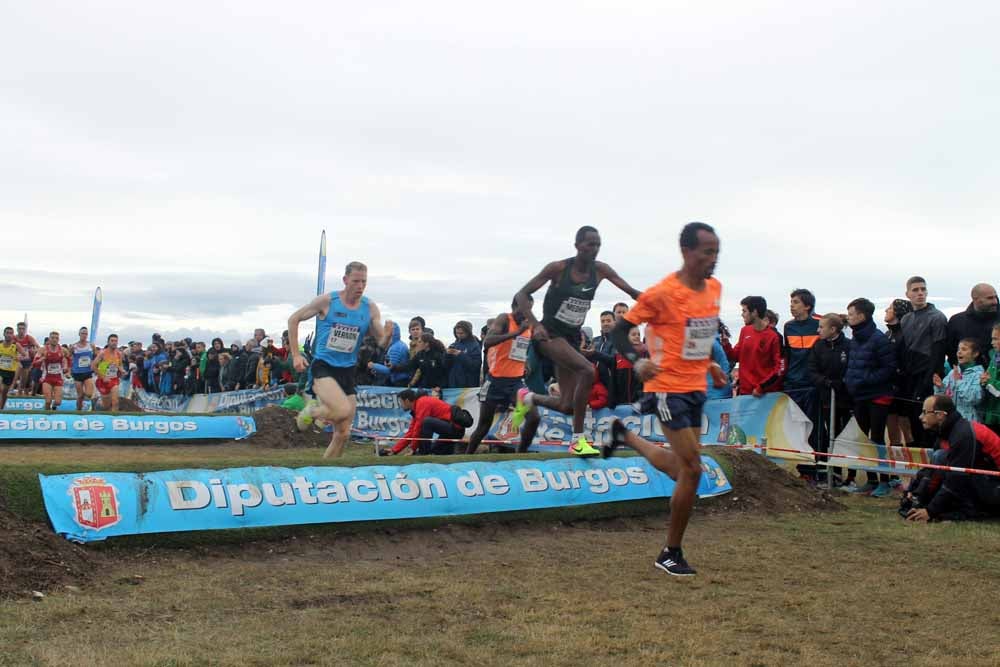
(82,359)
(341,332)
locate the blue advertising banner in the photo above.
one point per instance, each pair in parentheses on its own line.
(88,507)
(103,426)
(773,420)
(38,403)
(244,401)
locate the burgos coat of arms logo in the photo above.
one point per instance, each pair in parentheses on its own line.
(95,502)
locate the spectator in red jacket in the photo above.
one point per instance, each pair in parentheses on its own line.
(430,416)
(758,350)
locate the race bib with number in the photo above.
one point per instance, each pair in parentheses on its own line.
(112,370)
(343,338)
(6,363)
(699,334)
(83,362)
(53,369)
(573,311)
(519,350)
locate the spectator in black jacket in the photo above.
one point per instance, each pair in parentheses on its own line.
(871,366)
(960,495)
(827,364)
(251,358)
(427,365)
(977,322)
(898,421)
(925,340)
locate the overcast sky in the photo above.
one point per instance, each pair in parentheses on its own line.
(185,156)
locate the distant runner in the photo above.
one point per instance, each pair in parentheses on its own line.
(506,344)
(682,312)
(82,368)
(10,361)
(29,346)
(110,368)
(54,366)
(344,319)
(572,285)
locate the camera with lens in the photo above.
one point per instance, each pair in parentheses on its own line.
(907,504)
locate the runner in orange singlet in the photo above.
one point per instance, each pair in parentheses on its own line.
(506,345)
(109,371)
(682,313)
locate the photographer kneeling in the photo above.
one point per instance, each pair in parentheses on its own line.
(431,417)
(948,495)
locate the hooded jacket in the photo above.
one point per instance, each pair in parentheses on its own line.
(971,324)
(965,391)
(397,355)
(991,392)
(463,369)
(871,363)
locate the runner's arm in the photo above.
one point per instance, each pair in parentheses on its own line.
(498,332)
(606,272)
(317,306)
(376,324)
(549,273)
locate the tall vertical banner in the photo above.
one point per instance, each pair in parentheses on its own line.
(95,317)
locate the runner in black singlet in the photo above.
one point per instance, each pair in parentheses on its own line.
(572,284)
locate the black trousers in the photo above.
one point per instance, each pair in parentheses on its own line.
(442,429)
(872,418)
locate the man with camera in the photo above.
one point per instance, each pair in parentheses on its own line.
(950,495)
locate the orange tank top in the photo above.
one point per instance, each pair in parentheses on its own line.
(507,359)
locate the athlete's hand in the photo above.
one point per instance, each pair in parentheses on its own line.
(645,369)
(918,515)
(299,362)
(718,377)
(539,333)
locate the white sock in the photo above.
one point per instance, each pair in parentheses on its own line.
(529,399)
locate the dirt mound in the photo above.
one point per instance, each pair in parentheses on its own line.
(761,487)
(33,558)
(276,430)
(128,405)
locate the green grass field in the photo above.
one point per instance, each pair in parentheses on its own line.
(853,587)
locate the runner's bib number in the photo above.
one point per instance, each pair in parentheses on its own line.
(83,362)
(699,335)
(519,350)
(573,311)
(6,363)
(112,370)
(53,369)
(343,338)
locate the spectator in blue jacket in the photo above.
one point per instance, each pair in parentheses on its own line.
(871,368)
(397,355)
(464,357)
(719,357)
